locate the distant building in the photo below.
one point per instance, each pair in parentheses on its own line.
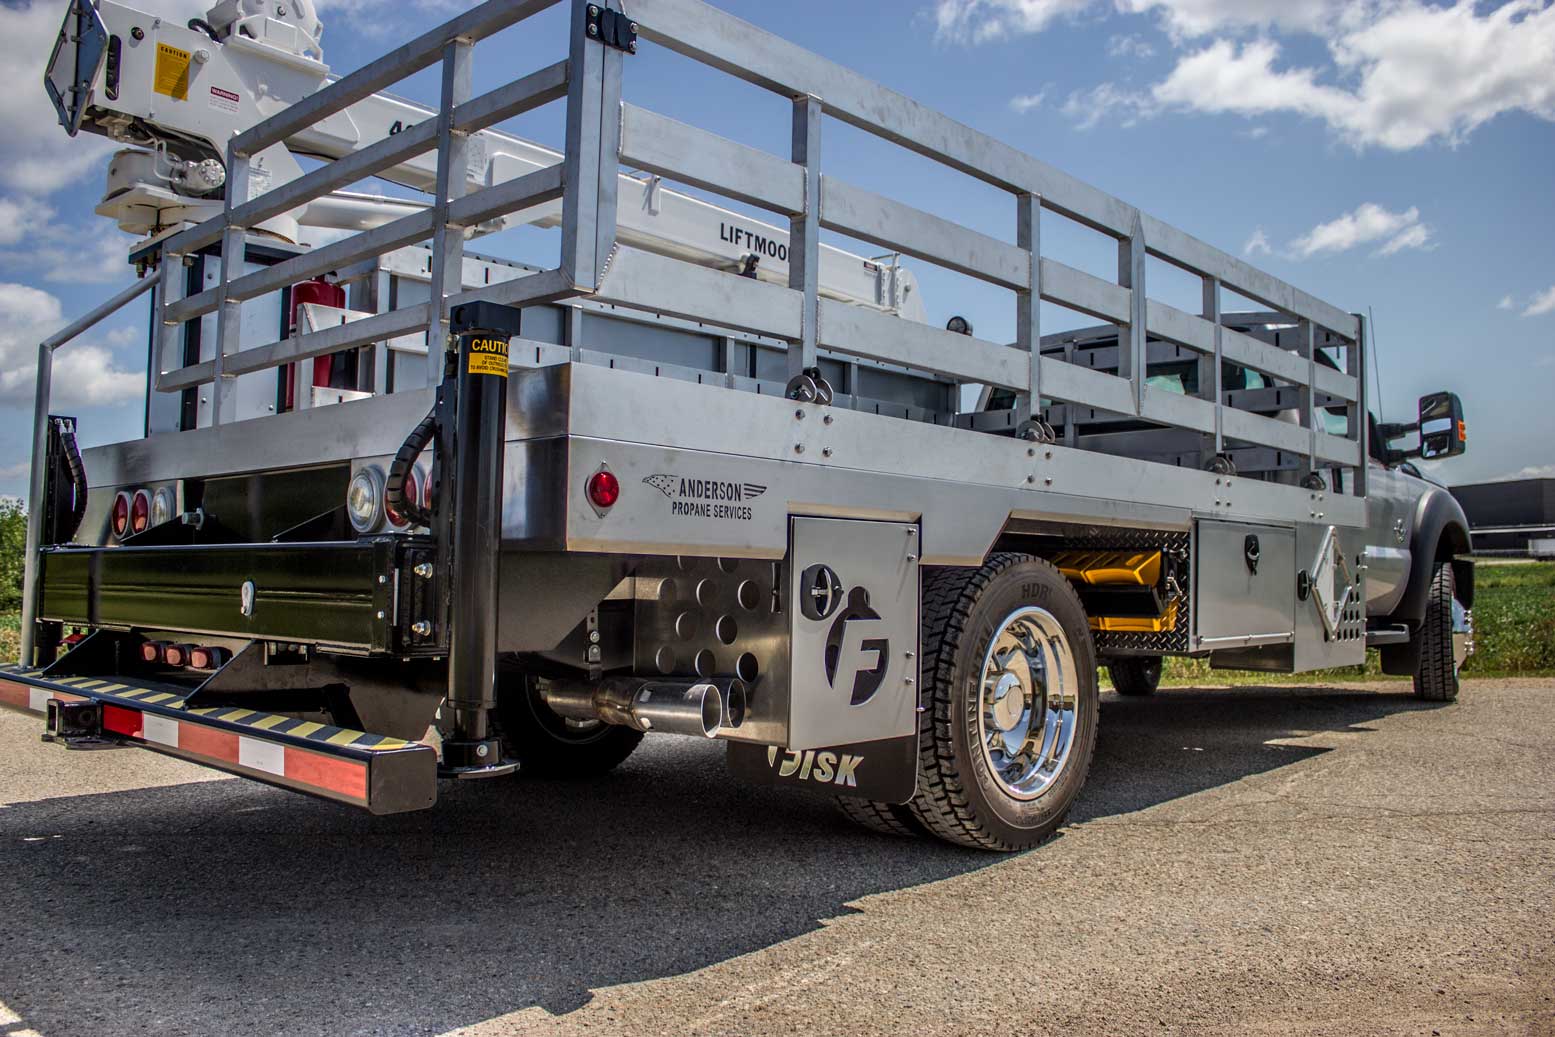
(1505,516)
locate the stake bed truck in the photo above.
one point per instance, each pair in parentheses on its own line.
(404,512)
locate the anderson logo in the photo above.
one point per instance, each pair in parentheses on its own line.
(851,652)
(707,498)
(825,767)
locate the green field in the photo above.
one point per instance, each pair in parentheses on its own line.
(1514,632)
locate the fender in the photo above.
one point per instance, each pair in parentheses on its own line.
(1441,530)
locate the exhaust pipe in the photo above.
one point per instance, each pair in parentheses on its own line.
(700,708)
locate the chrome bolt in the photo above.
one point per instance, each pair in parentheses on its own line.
(593,30)
(424,570)
(380,615)
(593,637)
(421,628)
(383,579)
(482,751)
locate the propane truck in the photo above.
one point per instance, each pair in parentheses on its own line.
(404,512)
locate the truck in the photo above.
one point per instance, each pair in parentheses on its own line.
(405,512)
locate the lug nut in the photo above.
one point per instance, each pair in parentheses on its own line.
(421,628)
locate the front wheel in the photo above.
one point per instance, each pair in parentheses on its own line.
(1010,688)
(1136,675)
(1436,677)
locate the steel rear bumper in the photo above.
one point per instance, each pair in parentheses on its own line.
(382,775)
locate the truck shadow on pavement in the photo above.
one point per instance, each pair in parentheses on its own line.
(230,907)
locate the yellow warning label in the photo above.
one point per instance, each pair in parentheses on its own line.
(487,356)
(172,72)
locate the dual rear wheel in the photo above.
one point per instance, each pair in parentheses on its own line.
(1010,708)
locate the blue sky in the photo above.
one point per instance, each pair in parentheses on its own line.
(1395,155)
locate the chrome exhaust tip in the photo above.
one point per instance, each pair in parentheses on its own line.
(699,708)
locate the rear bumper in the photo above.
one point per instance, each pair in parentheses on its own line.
(381,775)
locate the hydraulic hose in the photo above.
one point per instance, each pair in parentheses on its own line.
(404,461)
(72,457)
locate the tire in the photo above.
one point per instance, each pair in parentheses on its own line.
(1138,675)
(885,818)
(1436,678)
(966,615)
(548,746)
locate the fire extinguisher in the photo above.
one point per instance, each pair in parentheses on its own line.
(323,293)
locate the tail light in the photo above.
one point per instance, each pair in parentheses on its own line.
(140,511)
(177,655)
(364,499)
(208,658)
(153,652)
(121,514)
(411,492)
(426,489)
(604,489)
(162,506)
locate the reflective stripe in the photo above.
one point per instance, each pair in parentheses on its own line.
(160,730)
(261,756)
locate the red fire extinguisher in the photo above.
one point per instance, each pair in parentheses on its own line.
(323,293)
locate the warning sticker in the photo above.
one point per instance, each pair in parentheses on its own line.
(172,72)
(487,356)
(224,100)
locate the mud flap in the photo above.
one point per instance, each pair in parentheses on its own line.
(885,770)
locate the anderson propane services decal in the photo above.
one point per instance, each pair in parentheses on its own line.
(707,498)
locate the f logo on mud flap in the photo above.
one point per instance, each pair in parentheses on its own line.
(852,654)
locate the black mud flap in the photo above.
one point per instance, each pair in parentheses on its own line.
(885,770)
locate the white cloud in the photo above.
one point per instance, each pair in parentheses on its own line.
(1416,235)
(1400,73)
(1258,244)
(1256,132)
(92,253)
(1089,107)
(1027,102)
(1201,17)
(1506,303)
(1534,471)
(977,21)
(1129,46)
(84,372)
(1542,303)
(1366,224)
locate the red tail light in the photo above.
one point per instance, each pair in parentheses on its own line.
(426,490)
(604,489)
(207,658)
(121,514)
(177,655)
(153,651)
(140,511)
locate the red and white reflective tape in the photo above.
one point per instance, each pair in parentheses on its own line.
(24,696)
(333,775)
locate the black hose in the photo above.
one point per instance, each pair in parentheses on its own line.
(77,470)
(201,25)
(404,461)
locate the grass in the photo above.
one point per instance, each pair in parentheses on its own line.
(1514,633)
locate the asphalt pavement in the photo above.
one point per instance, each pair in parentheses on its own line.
(1248,861)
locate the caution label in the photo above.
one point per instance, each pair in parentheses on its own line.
(172,72)
(487,356)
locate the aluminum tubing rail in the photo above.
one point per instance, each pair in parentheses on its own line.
(40,446)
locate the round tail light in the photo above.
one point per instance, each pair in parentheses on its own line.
(604,489)
(364,499)
(152,651)
(121,514)
(411,492)
(207,658)
(426,489)
(162,506)
(176,655)
(140,511)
